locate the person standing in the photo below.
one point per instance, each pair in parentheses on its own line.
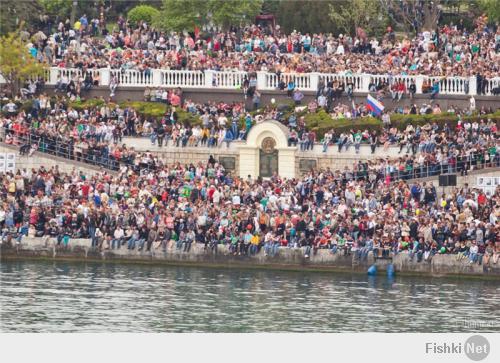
(472,103)
(113,84)
(373,141)
(256,100)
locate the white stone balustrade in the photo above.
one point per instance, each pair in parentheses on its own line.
(265,80)
(171,78)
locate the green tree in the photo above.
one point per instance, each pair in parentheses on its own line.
(179,15)
(414,15)
(491,8)
(16,63)
(15,12)
(57,7)
(72,9)
(307,16)
(142,13)
(233,12)
(76,8)
(353,14)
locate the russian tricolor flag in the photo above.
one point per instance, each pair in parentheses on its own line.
(373,105)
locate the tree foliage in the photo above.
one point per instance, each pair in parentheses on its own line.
(142,13)
(57,7)
(491,8)
(233,12)
(306,16)
(113,8)
(353,14)
(15,12)
(16,62)
(415,16)
(181,15)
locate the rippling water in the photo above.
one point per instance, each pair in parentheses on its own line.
(92,297)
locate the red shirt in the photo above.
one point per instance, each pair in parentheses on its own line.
(85,190)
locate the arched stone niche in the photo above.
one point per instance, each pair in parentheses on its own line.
(266,151)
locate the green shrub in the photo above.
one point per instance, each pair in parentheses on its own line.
(143,13)
(321,122)
(147,109)
(401,121)
(158,110)
(86,104)
(187,118)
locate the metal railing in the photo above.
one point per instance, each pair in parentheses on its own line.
(462,167)
(69,150)
(65,149)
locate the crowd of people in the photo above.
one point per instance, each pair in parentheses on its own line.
(451,50)
(371,206)
(203,204)
(95,134)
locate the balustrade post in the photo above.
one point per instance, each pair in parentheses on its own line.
(105,76)
(261,80)
(54,74)
(472,85)
(209,78)
(157,77)
(419,81)
(314,81)
(365,83)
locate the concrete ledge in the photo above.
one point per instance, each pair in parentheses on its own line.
(286,258)
(144,144)
(442,265)
(228,95)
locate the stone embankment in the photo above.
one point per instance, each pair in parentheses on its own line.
(285,259)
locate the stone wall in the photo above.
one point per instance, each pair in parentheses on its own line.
(471,178)
(287,258)
(332,158)
(231,159)
(185,155)
(202,95)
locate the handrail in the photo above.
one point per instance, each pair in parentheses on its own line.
(54,146)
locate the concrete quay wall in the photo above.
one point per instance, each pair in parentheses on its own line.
(286,258)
